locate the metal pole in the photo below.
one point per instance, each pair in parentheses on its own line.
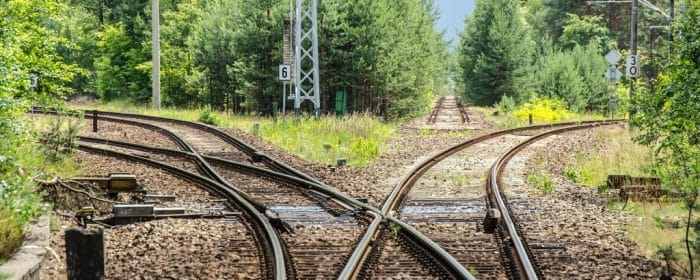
(155,34)
(673,16)
(314,42)
(633,51)
(297,59)
(284,99)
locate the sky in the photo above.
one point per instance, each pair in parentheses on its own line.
(452,13)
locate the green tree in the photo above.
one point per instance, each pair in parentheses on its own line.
(30,43)
(179,81)
(212,44)
(495,52)
(582,31)
(668,118)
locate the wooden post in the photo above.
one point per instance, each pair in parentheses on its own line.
(94,120)
(530,118)
(85,253)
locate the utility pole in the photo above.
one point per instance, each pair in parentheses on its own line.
(673,15)
(633,51)
(155,38)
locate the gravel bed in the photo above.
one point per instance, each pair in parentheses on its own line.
(189,195)
(168,249)
(127,133)
(375,181)
(175,161)
(182,249)
(584,238)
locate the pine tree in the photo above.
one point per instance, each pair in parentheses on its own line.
(495,52)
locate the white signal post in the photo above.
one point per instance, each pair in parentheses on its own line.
(155,38)
(284,76)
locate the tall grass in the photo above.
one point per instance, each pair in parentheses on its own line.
(511,120)
(621,156)
(357,138)
(658,227)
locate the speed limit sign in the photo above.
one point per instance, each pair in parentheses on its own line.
(285,72)
(633,66)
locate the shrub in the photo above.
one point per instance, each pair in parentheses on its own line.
(541,182)
(60,140)
(506,105)
(208,117)
(364,148)
(542,110)
(10,232)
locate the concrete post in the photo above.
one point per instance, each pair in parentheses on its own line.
(85,253)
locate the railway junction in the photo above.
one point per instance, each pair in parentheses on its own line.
(184,200)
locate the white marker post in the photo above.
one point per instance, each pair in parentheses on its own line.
(284,75)
(633,66)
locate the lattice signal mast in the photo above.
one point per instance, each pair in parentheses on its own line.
(306,76)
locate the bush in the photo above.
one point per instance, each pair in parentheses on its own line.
(364,148)
(208,117)
(506,105)
(541,182)
(61,138)
(10,232)
(542,110)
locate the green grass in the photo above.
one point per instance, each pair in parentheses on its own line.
(455,179)
(541,182)
(20,200)
(652,229)
(357,138)
(621,156)
(508,120)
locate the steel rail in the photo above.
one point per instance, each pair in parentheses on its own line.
(355,259)
(523,257)
(255,154)
(406,182)
(278,266)
(433,115)
(250,169)
(246,148)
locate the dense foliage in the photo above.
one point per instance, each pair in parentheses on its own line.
(495,52)
(668,117)
(30,41)
(224,53)
(553,49)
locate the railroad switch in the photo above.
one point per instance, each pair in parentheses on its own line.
(115,182)
(491,220)
(276,222)
(257,157)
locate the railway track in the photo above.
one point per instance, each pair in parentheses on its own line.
(448,110)
(523,257)
(256,248)
(449,204)
(315,224)
(341,235)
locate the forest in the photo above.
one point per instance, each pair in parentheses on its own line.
(513,56)
(225,53)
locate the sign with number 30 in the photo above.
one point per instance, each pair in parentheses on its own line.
(633,66)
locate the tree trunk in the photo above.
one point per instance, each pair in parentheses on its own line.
(690,204)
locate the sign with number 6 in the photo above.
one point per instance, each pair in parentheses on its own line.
(285,72)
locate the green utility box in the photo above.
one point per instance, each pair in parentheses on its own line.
(341,102)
